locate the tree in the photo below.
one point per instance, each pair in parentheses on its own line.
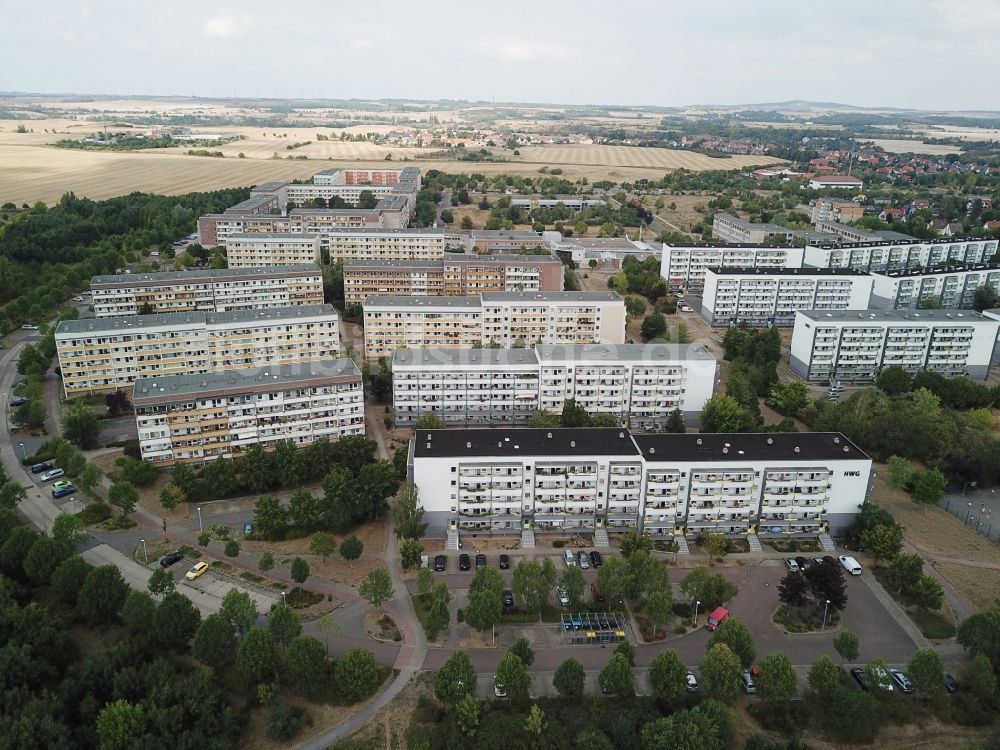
(161,581)
(654,326)
(675,422)
(455,679)
(611,580)
(15,548)
(232,548)
(824,678)
(877,676)
(633,541)
(306,663)
(926,670)
(11,493)
(467,714)
(883,542)
(425,581)
(303,508)
(410,553)
(826,583)
(533,581)
(513,675)
(724,414)
(438,617)
(659,604)
(67,532)
(429,421)
(701,585)
(138,612)
(125,496)
(322,545)
(176,621)
(408,514)
(258,658)
(617,679)
(979,682)
(734,634)
(715,545)
(80,425)
(668,676)
(905,571)
(239,610)
(351,548)
(270,518)
(793,589)
(376,588)
(102,595)
(283,624)
(928,593)
(214,643)
(980,634)
(929,487)
(899,471)
(777,678)
(847,645)
(266,562)
(524,651)
(300,570)
(68,578)
(984,299)
(894,381)
(627,650)
(89,478)
(569,678)
(720,673)
(574,585)
(120,724)
(534,724)
(43,557)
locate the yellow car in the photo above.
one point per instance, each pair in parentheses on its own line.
(198,570)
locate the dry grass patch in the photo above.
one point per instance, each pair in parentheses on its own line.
(398,714)
(980,587)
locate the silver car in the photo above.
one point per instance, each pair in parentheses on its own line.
(584,561)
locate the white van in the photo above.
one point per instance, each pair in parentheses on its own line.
(569,559)
(851,565)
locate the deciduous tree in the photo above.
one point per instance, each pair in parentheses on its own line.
(175,621)
(215,642)
(569,678)
(777,678)
(161,581)
(300,570)
(617,678)
(102,595)
(322,545)
(513,675)
(306,663)
(720,673)
(883,542)
(824,678)
(258,658)
(455,679)
(239,610)
(734,634)
(668,676)
(284,624)
(926,670)
(847,645)
(376,588)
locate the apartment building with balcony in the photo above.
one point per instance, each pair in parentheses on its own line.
(210,290)
(200,417)
(503,241)
(252,249)
(107,354)
(895,255)
(684,265)
(453,275)
(668,485)
(639,384)
(530,318)
(383,244)
(855,345)
(421,322)
(951,287)
(770,296)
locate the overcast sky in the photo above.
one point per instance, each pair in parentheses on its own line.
(930,54)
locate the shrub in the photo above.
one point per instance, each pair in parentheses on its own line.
(285,722)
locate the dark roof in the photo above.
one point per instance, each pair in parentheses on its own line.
(755,446)
(808,271)
(931,271)
(501,442)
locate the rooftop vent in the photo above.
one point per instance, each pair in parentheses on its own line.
(549,436)
(847,449)
(621,435)
(725,449)
(572,443)
(699,441)
(770,441)
(428,446)
(468,446)
(652,451)
(836,440)
(797,449)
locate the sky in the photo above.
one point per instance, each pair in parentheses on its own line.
(925,54)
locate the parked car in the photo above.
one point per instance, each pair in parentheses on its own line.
(52,474)
(595,559)
(882,678)
(39,468)
(819,560)
(791,565)
(498,688)
(508,598)
(901,680)
(691,682)
(584,559)
(197,571)
(685,308)
(63,491)
(949,683)
(440,563)
(18,401)
(170,558)
(248,529)
(749,686)
(718,616)
(61,483)
(480,561)
(29,327)
(569,559)
(562,595)
(464,563)
(504,562)
(851,565)
(803,563)
(859,676)
(80,299)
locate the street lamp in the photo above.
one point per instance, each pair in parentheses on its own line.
(696,605)
(200,527)
(145,559)
(24,459)
(966,487)
(282,597)
(825,606)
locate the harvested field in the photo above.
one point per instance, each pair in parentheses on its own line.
(903,146)
(625,156)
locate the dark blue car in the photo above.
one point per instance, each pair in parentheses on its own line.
(63,491)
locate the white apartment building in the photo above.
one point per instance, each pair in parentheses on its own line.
(498,319)
(952,286)
(419,322)
(529,318)
(107,354)
(770,296)
(640,384)
(196,418)
(507,480)
(855,345)
(684,265)
(210,290)
(383,244)
(303,194)
(250,249)
(897,255)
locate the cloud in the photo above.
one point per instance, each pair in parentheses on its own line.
(521,51)
(361,43)
(227,25)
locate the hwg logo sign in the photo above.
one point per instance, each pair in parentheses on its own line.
(852,473)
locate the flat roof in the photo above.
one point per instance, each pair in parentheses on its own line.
(727,245)
(753,271)
(958,268)
(214,274)
(521,442)
(454,357)
(384,300)
(504,234)
(901,240)
(167,388)
(379,263)
(184,319)
(753,446)
(551,297)
(380,231)
(896,316)
(303,236)
(268,186)
(622,352)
